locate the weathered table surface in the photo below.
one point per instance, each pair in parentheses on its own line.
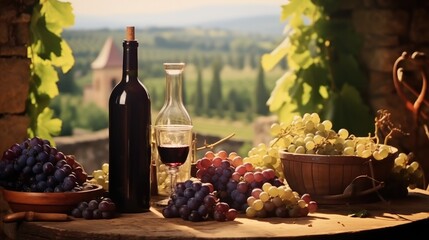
(406,217)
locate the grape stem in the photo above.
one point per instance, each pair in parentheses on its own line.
(214,144)
(382,121)
(206,146)
(285,132)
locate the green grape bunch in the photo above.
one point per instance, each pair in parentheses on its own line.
(101,176)
(308,134)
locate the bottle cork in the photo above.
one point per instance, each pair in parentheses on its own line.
(130,34)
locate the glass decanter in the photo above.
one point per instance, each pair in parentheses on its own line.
(173,125)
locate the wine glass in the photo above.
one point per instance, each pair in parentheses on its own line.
(173,143)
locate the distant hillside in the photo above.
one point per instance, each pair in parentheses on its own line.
(265,25)
(268,24)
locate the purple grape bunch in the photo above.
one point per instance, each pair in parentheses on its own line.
(196,201)
(102,208)
(36,166)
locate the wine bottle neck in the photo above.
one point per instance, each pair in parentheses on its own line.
(129,65)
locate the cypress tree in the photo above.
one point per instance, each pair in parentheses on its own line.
(232,103)
(240,61)
(252,61)
(199,95)
(261,94)
(215,92)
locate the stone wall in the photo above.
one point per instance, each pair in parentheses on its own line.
(388,28)
(14,78)
(92,149)
(15,70)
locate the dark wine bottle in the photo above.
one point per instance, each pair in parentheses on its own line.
(130,136)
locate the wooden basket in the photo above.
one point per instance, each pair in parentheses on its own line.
(335,179)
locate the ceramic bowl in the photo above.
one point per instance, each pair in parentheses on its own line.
(63,202)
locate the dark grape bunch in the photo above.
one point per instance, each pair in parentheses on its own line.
(36,166)
(103,208)
(196,201)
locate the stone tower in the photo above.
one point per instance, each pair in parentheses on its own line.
(106,73)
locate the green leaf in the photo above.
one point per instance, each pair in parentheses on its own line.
(296,91)
(58,15)
(47,125)
(35,17)
(270,60)
(316,77)
(347,70)
(340,33)
(278,97)
(294,7)
(347,110)
(296,21)
(287,112)
(48,77)
(65,60)
(301,59)
(44,41)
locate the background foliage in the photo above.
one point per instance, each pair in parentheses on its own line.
(324,74)
(220,65)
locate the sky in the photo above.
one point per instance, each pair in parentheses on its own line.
(114,13)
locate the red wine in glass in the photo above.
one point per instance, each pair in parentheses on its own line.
(173,155)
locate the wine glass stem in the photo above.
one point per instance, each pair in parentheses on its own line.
(172,171)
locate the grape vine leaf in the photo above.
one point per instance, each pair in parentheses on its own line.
(278,98)
(346,70)
(281,103)
(58,15)
(294,8)
(48,126)
(347,110)
(44,41)
(300,59)
(270,60)
(42,68)
(314,77)
(66,60)
(296,91)
(47,51)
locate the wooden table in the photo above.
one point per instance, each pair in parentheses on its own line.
(397,218)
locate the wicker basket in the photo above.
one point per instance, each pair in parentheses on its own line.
(336,179)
